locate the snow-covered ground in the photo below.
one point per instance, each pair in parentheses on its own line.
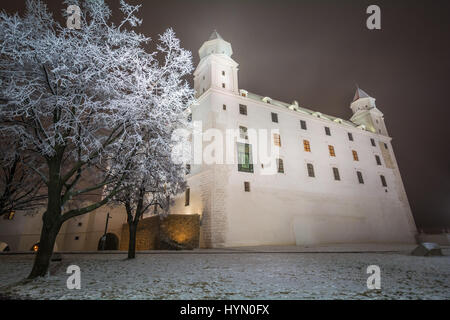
(231,275)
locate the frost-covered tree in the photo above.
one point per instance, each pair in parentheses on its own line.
(20,188)
(77,99)
(154,177)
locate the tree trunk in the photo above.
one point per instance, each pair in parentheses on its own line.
(45,251)
(132,242)
(51,221)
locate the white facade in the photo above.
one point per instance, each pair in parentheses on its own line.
(292,207)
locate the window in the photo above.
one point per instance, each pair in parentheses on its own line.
(337,177)
(203,77)
(372,141)
(360,177)
(244,158)
(187,196)
(223,73)
(350,136)
(80,224)
(310,168)
(243,133)
(303,124)
(223,85)
(224,107)
(331,150)
(327,131)
(385,146)
(355,155)
(306,146)
(280,166)
(377,158)
(243,109)
(274,117)
(77,238)
(246,186)
(188,168)
(383,181)
(189,118)
(277,139)
(9,215)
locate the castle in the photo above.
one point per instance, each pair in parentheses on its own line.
(335,180)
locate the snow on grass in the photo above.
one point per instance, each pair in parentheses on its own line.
(232,276)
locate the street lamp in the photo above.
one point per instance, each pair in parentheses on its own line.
(106,229)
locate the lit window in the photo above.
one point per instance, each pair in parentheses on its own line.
(187,197)
(9,215)
(243,109)
(355,155)
(277,139)
(337,177)
(35,247)
(306,146)
(246,186)
(274,117)
(360,177)
(327,131)
(331,150)
(310,168)
(303,124)
(280,166)
(243,132)
(377,158)
(244,158)
(383,181)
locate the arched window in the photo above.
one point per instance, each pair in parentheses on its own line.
(35,247)
(108,242)
(4,247)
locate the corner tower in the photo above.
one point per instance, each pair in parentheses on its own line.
(366,113)
(216,68)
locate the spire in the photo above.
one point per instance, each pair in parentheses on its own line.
(215,45)
(360,93)
(215,35)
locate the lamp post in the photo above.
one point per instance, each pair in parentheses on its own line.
(106,229)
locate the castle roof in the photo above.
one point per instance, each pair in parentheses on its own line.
(215,35)
(360,93)
(297,108)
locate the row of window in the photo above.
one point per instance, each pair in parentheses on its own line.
(274,116)
(245,161)
(311,173)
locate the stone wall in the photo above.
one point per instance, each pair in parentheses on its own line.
(180,228)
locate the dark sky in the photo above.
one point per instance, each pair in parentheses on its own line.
(315,52)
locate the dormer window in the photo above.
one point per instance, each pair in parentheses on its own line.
(266,99)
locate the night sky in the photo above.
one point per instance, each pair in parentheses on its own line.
(316,51)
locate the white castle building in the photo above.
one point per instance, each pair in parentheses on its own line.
(337,181)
